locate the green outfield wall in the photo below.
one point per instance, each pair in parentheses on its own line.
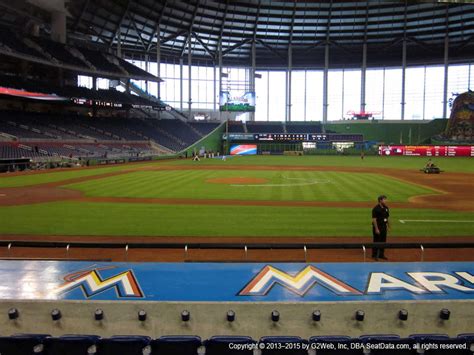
(396,132)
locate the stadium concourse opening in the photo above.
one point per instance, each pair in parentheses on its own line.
(219,177)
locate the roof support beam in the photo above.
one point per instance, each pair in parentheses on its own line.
(271,49)
(206,48)
(190,29)
(138,31)
(235,46)
(156,32)
(119,24)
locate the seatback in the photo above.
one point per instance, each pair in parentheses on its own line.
(176,344)
(230,345)
(23,344)
(72,345)
(125,344)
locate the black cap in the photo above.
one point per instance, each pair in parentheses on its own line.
(381,197)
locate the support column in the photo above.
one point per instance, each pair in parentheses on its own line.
(158,60)
(404,67)
(119,45)
(363,78)
(214,101)
(325,83)
(58,26)
(252,74)
(181,84)
(220,75)
(288,83)
(445,86)
(190,58)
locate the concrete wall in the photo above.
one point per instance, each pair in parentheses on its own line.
(252,319)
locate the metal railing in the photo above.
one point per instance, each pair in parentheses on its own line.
(245,247)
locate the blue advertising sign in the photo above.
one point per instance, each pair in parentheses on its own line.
(236,282)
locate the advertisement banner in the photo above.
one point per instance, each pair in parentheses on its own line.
(428,150)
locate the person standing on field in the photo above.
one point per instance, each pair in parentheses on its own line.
(380,225)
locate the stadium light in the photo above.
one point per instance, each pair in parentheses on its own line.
(403,314)
(99,314)
(275,316)
(444,314)
(141,315)
(13,313)
(185,316)
(230,315)
(316,315)
(56,314)
(360,315)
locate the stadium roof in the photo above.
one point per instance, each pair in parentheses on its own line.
(274,25)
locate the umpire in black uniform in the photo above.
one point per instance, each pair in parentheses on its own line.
(380,224)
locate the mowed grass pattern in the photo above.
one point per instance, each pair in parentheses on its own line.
(137,219)
(281,186)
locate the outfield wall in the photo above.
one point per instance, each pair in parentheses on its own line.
(391,132)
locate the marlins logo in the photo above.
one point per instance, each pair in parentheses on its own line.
(301,283)
(91,283)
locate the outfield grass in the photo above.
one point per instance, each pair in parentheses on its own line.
(281,186)
(458,164)
(122,219)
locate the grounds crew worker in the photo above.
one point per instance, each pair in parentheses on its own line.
(380,224)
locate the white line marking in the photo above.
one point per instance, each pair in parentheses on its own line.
(433,220)
(307,183)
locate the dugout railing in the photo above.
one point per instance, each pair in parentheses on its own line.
(245,247)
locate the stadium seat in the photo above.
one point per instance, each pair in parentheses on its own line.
(71,344)
(125,344)
(334,345)
(24,344)
(431,343)
(287,345)
(220,345)
(392,344)
(176,344)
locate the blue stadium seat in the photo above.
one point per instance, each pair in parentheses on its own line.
(287,345)
(381,344)
(335,345)
(220,345)
(125,344)
(176,344)
(71,344)
(432,344)
(23,344)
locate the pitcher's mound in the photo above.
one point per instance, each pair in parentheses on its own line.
(237,180)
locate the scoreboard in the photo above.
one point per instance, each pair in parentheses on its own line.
(428,150)
(295,137)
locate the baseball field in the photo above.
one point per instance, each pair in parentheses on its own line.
(258,197)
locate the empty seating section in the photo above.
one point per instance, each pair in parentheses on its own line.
(10,40)
(178,129)
(236,127)
(304,128)
(59,52)
(255,127)
(9,150)
(173,134)
(42,344)
(204,127)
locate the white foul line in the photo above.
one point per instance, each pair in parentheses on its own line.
(433,220)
